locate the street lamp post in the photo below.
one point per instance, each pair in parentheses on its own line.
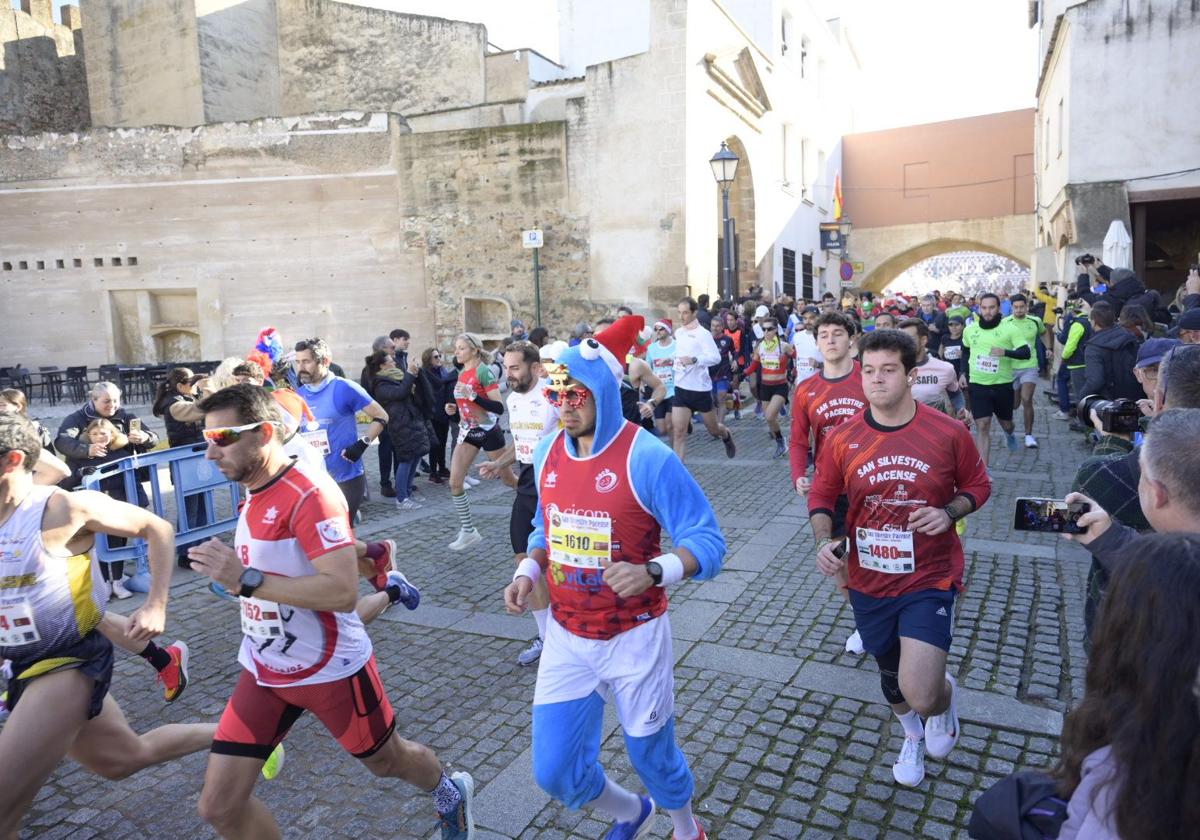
(724,166)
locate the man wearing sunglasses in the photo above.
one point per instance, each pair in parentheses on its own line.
(303,649)
(50,619)
(606,489)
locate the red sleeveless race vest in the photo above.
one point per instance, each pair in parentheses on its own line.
(592,514)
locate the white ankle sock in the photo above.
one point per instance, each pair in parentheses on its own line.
(684,822)
(622,805)
(911,722)
(540,617)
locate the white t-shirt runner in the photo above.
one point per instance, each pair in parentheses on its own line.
(935,380)
(299,516)
(530,418)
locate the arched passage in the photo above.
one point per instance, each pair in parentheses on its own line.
(891,268)
(741,209)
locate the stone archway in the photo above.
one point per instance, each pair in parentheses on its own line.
(885,252)
(892,268)
(741,209)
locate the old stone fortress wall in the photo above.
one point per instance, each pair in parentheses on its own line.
(325,168)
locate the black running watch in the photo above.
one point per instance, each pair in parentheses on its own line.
(250,580)
(655,571)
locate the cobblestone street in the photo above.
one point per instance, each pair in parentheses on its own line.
(787,734)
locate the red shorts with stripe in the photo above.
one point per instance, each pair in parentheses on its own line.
(355,710)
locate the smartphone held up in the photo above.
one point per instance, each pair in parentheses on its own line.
(1052,516)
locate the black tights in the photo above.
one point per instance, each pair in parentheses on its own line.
(112,571)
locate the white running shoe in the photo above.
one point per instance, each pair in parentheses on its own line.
(532,653)
(470,481)
(942,731)
(1030,442)
(408,504)
(854,644)
(909,769)
(119,591)
(1061,415)
(466,539)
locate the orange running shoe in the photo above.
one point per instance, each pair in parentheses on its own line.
(174,677)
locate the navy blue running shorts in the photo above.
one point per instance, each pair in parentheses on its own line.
(926,615)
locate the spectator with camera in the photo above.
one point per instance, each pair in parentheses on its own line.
(1109,359)
(1165,478)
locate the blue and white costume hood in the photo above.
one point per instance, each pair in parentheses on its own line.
(666,489)
(591,364)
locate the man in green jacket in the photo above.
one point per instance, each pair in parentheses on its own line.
(994,345)
(1073,334)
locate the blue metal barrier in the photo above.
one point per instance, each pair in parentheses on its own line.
(192,478)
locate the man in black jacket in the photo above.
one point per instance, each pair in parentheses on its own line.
(1109,358)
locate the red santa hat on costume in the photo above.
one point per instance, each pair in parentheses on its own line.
(614,342)
(666,324)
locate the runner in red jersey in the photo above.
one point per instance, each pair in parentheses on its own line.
(828,399)
(910,472)
(821,403)
(294,566)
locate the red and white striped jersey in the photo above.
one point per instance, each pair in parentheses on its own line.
(297,517)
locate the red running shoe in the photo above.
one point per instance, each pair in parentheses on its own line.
(384,564)
(174,677)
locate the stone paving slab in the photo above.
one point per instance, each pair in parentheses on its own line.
(785,732)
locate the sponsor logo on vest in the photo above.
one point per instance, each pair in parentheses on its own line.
(552,479)
(606,481)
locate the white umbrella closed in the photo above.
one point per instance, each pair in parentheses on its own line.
(1118,247)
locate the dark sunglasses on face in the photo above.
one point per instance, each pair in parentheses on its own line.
(226,435)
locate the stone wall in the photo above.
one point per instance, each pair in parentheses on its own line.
(627,139)
(42,81)
(138,245)
(143,62)
(465,197)
(239,59)
(335,55)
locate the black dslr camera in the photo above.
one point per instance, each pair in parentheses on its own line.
(1116,416)
(1086,259)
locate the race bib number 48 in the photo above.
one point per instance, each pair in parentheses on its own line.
(16,624)
(890,552)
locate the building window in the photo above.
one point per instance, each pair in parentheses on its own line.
(806,276)
(789,272)
(804,46)
(805,168)
(1061,123)
(1046,145)
(819,175)
(785,33)
(786,161)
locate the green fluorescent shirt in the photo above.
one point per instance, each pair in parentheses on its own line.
(986,369)
(1028,329)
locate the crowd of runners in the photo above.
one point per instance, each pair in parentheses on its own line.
(880,409)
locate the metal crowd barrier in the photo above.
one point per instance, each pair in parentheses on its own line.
(191,478)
